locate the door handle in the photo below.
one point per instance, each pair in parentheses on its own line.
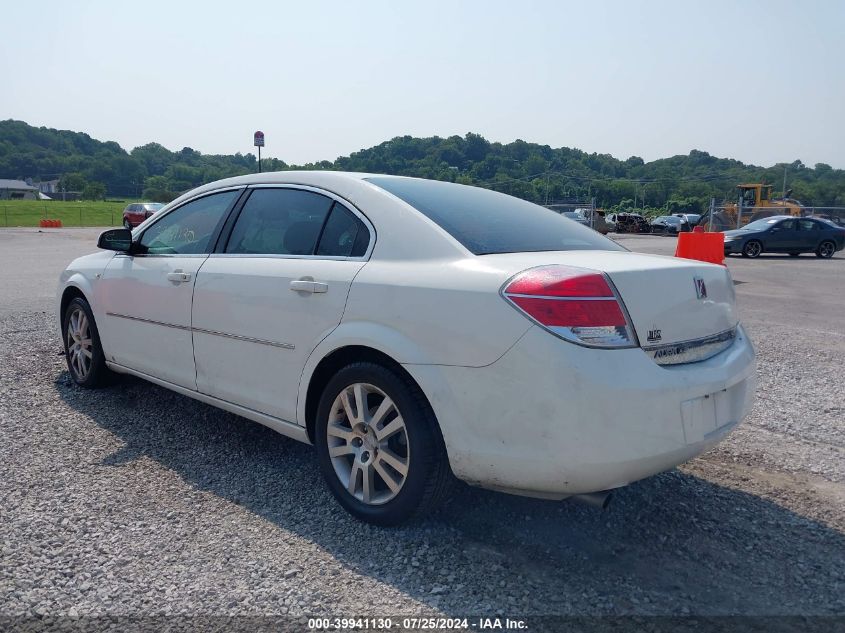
(178,276)
(304,285)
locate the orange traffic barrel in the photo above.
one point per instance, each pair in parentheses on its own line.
(705,247)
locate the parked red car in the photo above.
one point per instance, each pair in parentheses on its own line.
(137,212)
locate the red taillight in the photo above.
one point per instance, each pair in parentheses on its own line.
(576,304)
(548,282)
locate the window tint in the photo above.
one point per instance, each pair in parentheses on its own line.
(189,228)
(344,235)
(279,222)
(488,222)
(787,225)
(808,225)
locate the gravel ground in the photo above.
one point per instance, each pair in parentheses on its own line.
(136,501)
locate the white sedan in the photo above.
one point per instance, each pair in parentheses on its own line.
(413,330)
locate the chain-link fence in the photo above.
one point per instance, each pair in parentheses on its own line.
(733,216)
(583,212)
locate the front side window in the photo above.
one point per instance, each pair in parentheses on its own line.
(188,229)
(487,222)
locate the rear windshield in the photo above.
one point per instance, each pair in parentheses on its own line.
(486,222)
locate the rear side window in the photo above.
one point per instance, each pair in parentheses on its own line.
(344,235)
(809,225)
(279,222)
(487,222)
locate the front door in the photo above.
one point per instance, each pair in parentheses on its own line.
(784,237)
(277,288)
(147,296)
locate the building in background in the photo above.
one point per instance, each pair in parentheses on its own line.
(17,190)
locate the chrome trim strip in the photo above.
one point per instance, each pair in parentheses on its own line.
(150,321)
(336,258)
(237,337)
(608,298)
(248,339)
(691,351)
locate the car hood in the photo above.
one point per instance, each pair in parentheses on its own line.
(738,233)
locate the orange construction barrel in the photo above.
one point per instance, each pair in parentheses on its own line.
(705,247)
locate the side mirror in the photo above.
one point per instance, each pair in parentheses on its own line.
(119,240)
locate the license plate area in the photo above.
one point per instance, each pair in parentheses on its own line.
(705,415)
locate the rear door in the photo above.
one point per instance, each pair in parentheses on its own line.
(810,233)
(275,289)
(147,296)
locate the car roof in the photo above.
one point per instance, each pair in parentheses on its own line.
(337,181)
(393,218)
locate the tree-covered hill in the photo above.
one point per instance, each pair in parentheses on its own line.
(536,172)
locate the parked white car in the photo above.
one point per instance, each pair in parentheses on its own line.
(411,329)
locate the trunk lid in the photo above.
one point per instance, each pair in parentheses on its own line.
(669,300)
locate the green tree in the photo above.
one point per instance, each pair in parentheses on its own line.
(94,191)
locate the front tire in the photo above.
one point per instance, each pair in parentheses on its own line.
(826,249)
(752,249)
(83,351)
(379,447)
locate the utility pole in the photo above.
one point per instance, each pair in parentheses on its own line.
(784,182)
(712,211)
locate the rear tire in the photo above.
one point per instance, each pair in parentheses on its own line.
(752,249)
(380,478)
(83,350)
(826,249)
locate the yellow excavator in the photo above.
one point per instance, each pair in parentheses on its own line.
(757,202)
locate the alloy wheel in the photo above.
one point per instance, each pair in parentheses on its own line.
(79,344)
(753,249)
(368,443)
(827,249)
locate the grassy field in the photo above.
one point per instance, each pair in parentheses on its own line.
(81,213)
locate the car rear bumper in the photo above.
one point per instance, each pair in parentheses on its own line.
(552,419)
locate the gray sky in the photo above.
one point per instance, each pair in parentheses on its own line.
(760,81)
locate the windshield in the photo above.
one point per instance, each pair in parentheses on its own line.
(153,206)
(487,222)
(761,225)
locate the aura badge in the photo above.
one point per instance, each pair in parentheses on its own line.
(700,288)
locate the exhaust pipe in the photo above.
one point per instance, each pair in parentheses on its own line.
(599,499)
